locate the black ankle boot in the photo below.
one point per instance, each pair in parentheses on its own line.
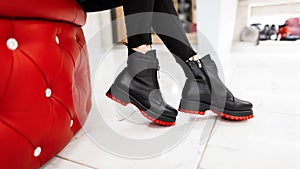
(204,90)
(137,84)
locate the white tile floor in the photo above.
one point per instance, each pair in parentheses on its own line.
(116,137)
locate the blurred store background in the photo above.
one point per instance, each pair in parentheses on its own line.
(220,21)
(223,23)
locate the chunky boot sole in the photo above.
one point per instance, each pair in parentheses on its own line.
(124,99)
(192,107)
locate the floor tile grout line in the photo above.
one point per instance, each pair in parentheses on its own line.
(207,142)
(85,165)
(281,113)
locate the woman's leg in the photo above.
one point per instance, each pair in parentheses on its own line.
(163,18)
(137,83)
(167,25)
(203,90)
(139,79)
(138,19)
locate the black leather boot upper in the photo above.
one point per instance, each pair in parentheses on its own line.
(203,85)
(139,81)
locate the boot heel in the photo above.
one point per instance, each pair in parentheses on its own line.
(193,107)
(118,95)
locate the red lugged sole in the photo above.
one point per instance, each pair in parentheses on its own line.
(159,122)
(236,118)
(226,116)
(192,112)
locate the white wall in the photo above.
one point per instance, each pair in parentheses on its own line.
(274,14)
(216,20)
(242,18)
(98,35)
(98,29)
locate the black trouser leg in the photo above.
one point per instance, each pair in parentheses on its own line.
(138,21)
(168,27)
(164,21)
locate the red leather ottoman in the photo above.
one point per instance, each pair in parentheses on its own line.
(45,91)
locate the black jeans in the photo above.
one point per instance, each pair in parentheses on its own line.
(161,16)
(142,15)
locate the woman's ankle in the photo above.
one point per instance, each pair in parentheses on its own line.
(142,49)
(193,58)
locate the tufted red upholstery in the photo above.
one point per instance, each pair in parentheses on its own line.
(45,87)
(60,10)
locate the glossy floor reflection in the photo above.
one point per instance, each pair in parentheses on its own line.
(267,75)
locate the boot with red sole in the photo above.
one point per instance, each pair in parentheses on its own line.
(137,84)
(204,90)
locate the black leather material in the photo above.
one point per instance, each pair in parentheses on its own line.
(138,84)
(218,89)
(205,88)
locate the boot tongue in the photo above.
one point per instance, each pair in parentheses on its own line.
(151,53)
(149,57)
(218,89)
(138,62)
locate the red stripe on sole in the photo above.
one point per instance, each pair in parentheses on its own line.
(226,116)
(163,123)
(116,100)
(159,122)
(191,111)
(236,118)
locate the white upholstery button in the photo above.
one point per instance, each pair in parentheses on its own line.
(71,123)
(57,39)
(37,151)
(48,92)
(12,44)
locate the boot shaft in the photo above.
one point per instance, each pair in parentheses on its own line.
(138,84)
(138,62)
(196,84)
(140,73)
(203,82)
